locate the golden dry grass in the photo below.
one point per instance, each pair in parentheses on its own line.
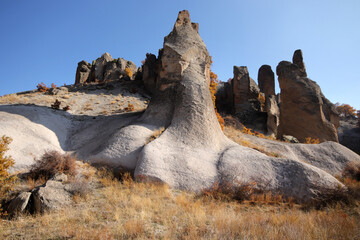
(128,210)
(235,134)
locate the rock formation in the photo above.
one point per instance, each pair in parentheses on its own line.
(82,72)
(266,80)
(192,152)
(244,88)
(298,61)
(305,112)
(105,68)
(267,86)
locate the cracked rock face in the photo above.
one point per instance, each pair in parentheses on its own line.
(305,111)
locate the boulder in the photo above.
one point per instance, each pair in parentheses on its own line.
(18,204)
(50,196)
(82,72)
(266,80)
(305,112)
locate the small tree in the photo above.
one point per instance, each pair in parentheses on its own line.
(345,110)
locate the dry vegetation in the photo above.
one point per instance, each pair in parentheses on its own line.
(124,209)
(121,208)
(236,135)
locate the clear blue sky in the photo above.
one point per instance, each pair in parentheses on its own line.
(42,41)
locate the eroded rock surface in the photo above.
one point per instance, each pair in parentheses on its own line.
(266,80)
(305,112)
(192,152)
(104,68)
(82,72)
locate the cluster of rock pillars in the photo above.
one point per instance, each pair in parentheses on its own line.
(299,110)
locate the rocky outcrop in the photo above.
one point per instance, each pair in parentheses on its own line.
(305,112)
(273,115)
(299,62)
(150,71)
(52,195)
(244,88)
(82,72)
(192,152)
(266,80)
(105,68)
(267,86)
(246,105)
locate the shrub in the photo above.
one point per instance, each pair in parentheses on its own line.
(7,180)
(253,133)
(56,105)
(310,140)
(345,110)
(128,72)
(213,86)
(358,117)
(261,98)
(53,85)
(41,87)
(352,171)
(51,163)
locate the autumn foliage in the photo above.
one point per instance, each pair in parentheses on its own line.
(41,87)
(6,179)
(213,86)
(128,72)
(345,110)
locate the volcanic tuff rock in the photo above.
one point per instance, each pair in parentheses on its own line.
(105,68)
(267,86)
(244,88)
(273,114)
(266,80)
(82,72)
(298,61)
(192,152)
(305,112)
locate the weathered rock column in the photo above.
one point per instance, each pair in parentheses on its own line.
(266,82)
(82,72)
(305,112)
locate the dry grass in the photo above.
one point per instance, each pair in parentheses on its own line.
(235,134)
(127,209)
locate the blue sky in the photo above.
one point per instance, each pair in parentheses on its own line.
(42,41)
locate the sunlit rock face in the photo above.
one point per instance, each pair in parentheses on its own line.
(305,112)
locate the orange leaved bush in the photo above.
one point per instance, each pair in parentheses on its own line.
(345,110)
(213,86)
(128,72)
(6,179)
(41,87)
